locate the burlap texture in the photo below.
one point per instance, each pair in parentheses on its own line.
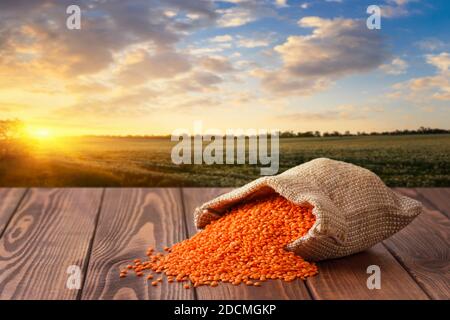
(354,209)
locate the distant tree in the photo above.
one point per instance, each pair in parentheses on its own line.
(307,134)
(10,133)
(287,134)
(336,134)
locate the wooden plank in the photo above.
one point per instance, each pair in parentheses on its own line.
(423,248)
(9,200)
(346,278)
(431,198)
(439,198)
(50,231)
(130,221)
(277,290)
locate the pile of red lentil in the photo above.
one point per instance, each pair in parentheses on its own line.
(245,246)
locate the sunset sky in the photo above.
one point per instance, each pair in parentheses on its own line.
(149,67)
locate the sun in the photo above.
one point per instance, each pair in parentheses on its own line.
(40,133)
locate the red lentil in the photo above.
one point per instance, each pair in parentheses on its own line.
(248,243)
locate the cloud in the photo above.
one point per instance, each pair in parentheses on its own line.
(281,3)
(335,48)
(253,43)
(243,12)
(195,103)
(129,104)
(329,115)
(338,113)
(216,64)
(440,61)
(396,8)
(395,67)
(235,17)
(6,107)
(430,44)
(165,64)
(222,38)
(305,5)
(204,8)
(422,89)
(196,81)
(36,29)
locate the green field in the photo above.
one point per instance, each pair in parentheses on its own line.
(409,161)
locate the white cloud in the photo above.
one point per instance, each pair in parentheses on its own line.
(430,44)
(253,43)
(234,17)
(395,67)
(170,13)
(222,38)
(422,89)
(440,61)
(204,50)
(335,48)
(281,3)
(193,16)
(396,8)
(244,12)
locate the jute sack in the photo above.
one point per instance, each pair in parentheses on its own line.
(354,209)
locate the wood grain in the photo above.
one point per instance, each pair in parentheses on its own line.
(423,248)
(130,221)
(47,230)
(50,231)
(9,200)
(346,278)
(439,198)
(431,198)
(276,290)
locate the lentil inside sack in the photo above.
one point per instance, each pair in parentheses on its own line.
(247,245)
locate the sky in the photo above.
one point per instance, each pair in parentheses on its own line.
(151,67)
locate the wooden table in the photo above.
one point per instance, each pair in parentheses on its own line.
(45,231)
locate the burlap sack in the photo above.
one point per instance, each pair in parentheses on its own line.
(354,209)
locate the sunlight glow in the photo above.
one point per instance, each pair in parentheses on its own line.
(40,133)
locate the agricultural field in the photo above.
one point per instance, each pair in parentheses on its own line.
(407,161)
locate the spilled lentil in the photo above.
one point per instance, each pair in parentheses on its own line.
(245,246)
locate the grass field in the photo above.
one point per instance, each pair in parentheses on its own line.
(409,161)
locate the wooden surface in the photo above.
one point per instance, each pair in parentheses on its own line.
(43,232)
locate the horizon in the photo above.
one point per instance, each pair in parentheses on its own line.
(282,134)
(149,67)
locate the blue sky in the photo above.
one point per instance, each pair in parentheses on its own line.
(143,67)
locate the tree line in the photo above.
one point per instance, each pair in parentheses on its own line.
(312,134)
(13,129)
